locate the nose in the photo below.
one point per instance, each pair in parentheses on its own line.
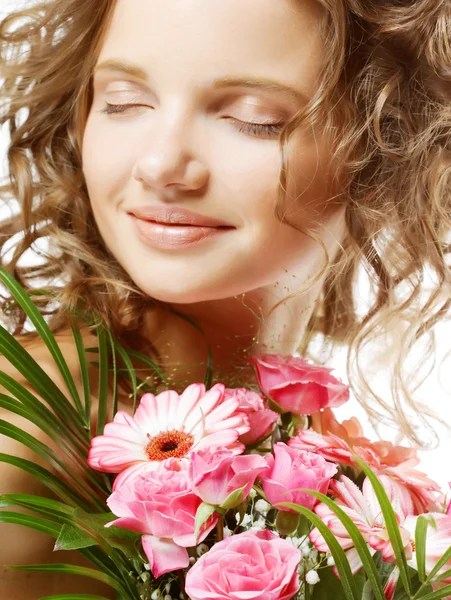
(169,162)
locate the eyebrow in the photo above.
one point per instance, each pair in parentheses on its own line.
(268,85)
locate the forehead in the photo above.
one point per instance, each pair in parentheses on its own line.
(190,40)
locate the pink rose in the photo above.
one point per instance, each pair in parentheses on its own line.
(298,386)
(257,565)
(292,469)
(262,419)
(217,473)
(161,505)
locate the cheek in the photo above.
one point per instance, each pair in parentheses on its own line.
(106,164)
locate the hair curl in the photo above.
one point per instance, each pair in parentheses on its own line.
(384,94)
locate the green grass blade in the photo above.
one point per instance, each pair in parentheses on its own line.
(438,594)
(114,369)
(145,360)
(70,570)
(43,506)
(84,372)
(390,523)
(44,331)
(341,562)
(441,563)
(131,371)
(103,381)
(38,523)
(359,542)
(41,382)
(52,482)
(42,450)
(420,546)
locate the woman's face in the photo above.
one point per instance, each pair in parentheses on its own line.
(200,115)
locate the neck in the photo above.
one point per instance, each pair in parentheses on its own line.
(234,328)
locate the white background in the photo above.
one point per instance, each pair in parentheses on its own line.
(436,392)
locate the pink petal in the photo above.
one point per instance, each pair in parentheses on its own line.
(164,556)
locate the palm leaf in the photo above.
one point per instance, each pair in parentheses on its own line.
(129,368)
(58,487)
(38,523)
(51,457)
(42,383)
(103,381)
(44,331)
(45,506)
(84,372)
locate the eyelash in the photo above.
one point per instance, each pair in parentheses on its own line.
(272,129)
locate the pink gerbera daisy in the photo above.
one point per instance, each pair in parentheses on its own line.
(165,427)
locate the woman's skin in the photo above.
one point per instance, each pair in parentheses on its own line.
(182,147)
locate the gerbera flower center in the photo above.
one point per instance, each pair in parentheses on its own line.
(169,444)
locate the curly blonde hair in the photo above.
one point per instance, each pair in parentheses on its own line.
(384,94)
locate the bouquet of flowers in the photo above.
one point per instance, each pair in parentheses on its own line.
(214,493)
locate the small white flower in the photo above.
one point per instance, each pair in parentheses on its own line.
(167,588)
(192,560)
(330,561)
(262,506)
(312,577)
(146,566)
(227,532)
(156,595)
(252,493)
(306,550)
(201,549)
(313,554)
(167,597)
(247,520)
(259,525)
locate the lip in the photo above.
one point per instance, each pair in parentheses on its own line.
(175,216)
(174,237)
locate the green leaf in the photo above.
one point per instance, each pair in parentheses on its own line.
(341,561)
(114,369)
(44,506)
(44,331)
(69,569)
(234,498)
(391,523)
(45,452)
(72,537)
(145,360)
(359,542)
(103,381)
(329,586)
(446,556)
(131,371)
(420,546)
(440,593)
(84,372)
(203,513)
(42,383)
(38,523)
(52,482)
